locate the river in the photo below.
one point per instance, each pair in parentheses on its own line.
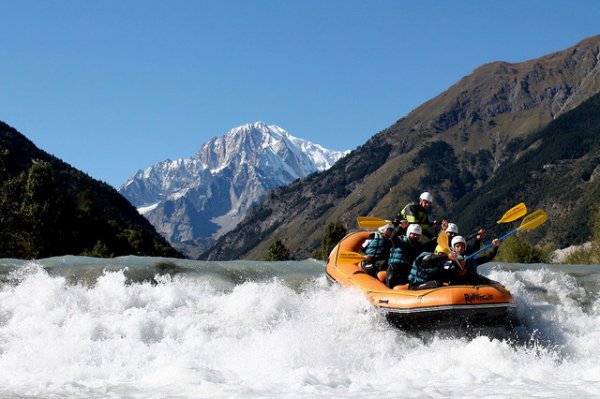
(136,327)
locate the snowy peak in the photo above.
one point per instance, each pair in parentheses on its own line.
(205,196)
(157,182)
(247,143)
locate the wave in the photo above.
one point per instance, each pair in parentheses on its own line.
(145,327)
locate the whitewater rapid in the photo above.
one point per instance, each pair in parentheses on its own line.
(145,328)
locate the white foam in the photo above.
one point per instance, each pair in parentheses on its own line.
(185,337)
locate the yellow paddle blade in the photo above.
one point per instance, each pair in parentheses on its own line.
(533,220)
(350,257)
(514,213)
(442,243)
(370,222)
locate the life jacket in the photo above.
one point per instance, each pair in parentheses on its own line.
(415,213)
(403,251)
(426,267)
(454,269)
(376,246)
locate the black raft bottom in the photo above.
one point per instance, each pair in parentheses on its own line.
(453,316)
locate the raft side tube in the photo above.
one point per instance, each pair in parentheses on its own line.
(449,303)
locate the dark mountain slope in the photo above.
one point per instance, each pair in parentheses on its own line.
(452,145)
(48,208)
(557,169)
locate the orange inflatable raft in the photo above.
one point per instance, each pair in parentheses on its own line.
(489,304)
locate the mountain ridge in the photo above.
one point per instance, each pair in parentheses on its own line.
(193,201)
(452,144)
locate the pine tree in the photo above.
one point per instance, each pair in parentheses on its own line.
(277,251)
(334,232)
(40,209)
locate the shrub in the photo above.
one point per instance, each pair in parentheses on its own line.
(100,250)
(277,251)
(334,232)
(584,255)
(517,250)
(589,254)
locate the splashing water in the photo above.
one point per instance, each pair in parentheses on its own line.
(277,330)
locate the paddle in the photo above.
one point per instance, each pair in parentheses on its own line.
(370,222)
(442,242)
(514,213)
(351,257)
(530,222)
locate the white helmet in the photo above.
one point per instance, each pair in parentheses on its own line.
(384,228)
(414,229)
(452,228)
(426,196)
(458,239)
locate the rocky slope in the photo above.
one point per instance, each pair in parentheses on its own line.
(194,201)
(453,145)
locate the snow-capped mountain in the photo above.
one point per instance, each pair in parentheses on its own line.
(207,195)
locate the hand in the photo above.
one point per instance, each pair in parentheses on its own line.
(453,256)
(404,223)
(481,233)
(496,242)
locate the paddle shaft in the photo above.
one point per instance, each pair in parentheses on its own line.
(531,221)
(491,244)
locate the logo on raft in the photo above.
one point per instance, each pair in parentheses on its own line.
(470,298)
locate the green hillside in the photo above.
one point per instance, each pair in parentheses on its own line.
(479,147)
(557,169)
(48,208)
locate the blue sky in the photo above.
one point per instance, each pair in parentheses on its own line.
(113,86)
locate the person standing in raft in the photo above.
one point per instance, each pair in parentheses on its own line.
(464,271)
(405,248)
(377,250)
(417,213)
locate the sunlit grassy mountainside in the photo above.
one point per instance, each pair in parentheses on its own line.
(481,146)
